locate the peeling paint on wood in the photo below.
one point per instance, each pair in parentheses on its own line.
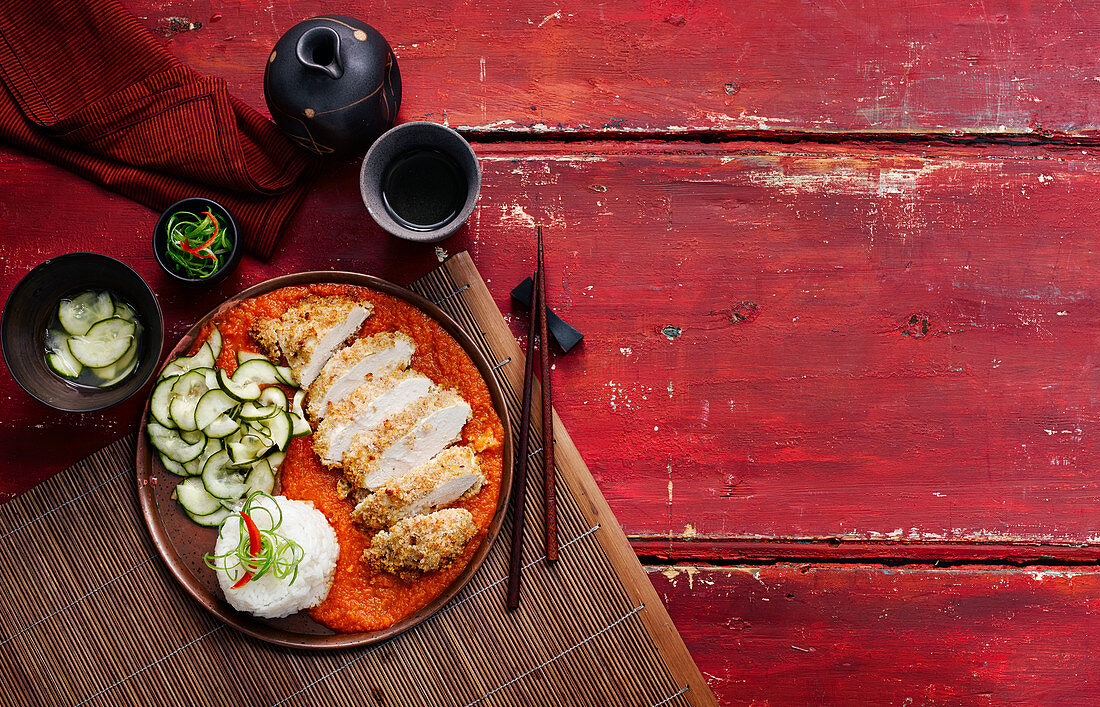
(871,635)
(992,67)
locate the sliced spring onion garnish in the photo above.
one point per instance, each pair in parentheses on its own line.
(197,243)
(260,549)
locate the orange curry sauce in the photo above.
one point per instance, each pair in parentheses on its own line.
(361,599)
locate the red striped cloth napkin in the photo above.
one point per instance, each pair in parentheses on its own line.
(89,88)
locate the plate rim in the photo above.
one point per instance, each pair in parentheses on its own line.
(216,605)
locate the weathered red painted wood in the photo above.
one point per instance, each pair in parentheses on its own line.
(681,549)
(979,66)
(788,635)
(813,343)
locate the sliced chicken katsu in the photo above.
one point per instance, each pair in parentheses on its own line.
(351,367)
(406,441)
(421,543)
(368,408)
(309,332)
(452,475)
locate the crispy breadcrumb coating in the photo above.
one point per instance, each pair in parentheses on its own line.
(454,474)
(297,332)
(421,543)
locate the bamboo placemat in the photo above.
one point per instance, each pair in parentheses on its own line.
(89,615)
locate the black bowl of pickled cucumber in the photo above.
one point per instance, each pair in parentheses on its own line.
(81,332)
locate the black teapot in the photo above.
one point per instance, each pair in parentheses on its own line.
(332,84)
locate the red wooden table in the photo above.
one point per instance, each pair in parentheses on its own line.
(835,266)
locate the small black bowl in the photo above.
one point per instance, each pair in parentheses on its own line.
(407,139)
(196,206)
(31,306)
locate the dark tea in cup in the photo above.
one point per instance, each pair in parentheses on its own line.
(424,189)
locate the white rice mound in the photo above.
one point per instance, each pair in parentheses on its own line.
(270,597)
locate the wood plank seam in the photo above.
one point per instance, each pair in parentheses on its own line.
(783,137)
(724,550)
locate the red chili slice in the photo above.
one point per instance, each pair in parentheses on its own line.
(186,245)
(254,545)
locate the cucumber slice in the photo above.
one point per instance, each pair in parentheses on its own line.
(56,340)
(279,427)
(106,342)
(177,366)
(79,314)
(299,426)
(243,356)
(257,428)
(60,359)
(186,394)
(212,520)
(251,411)
(194,467)
(172,466)
(274,396)
(192,436)
(249,449)
(125,311)
(161,401)
(170,444)
(215,342)
(203,358)
(261,478)
(276,460)
(259,371)
(63,364)
(221,481)
(222,426)
(122,375)
(285,375)
(122,364)
(194,497)
(212,405)
(240,390)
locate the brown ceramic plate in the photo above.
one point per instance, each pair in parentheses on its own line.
(182,543)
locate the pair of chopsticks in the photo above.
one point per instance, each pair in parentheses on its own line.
(519,492)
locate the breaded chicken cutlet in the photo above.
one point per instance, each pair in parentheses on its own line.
(421,543)
(406,440)
(350,367)
(308,332)
(454,474)
(379,402)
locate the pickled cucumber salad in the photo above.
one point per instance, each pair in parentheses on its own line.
(94,339)
(225,434)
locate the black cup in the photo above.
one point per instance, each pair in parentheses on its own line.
(420,181)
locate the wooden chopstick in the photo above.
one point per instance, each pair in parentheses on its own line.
(519,488)
(549,508)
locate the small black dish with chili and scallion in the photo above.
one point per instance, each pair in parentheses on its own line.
(197,241)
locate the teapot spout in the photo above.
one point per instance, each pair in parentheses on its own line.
(319,49)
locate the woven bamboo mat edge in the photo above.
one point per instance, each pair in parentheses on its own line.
(575,474)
